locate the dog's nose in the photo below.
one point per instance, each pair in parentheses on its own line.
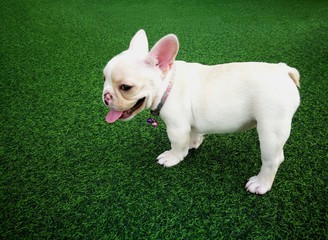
(107,98)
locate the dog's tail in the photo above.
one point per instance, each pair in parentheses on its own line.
(293,74)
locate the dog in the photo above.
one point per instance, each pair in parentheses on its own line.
(194,99)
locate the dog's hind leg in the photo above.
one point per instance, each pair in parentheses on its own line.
(273,135)
(196,140)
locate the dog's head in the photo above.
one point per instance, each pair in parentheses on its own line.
(134,79)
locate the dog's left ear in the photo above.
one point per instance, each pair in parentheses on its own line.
(164,52)
(139,43)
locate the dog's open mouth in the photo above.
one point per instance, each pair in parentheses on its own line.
(114,115)
(129,112)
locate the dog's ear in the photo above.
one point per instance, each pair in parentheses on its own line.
(164,52)
(139,43)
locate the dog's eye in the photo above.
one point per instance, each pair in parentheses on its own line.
(125,87)
(104,78)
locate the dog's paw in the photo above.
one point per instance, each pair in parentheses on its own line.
(168,159)
(258,185)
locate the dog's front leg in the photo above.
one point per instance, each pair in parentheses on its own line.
(179,137)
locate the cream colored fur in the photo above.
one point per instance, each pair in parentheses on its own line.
(205,99)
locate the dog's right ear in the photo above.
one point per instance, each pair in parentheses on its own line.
(164,52)
(139,43)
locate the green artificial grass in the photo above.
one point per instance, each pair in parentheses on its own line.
(67,174)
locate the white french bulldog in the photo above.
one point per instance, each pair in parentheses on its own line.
(194,99)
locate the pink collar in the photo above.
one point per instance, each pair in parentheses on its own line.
(166,94)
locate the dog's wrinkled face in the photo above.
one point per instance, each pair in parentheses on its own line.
(134,77)
(123,93)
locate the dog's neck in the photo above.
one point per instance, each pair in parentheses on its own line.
(166,93)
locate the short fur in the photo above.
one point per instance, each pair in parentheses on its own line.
(205,99)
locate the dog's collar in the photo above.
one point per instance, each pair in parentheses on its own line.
(156,111)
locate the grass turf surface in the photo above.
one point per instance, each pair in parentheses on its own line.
(66,174)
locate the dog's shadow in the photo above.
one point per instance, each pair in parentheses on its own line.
(237,152)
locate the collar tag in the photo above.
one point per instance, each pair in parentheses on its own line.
(152,122)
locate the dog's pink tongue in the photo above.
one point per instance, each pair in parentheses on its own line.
(113,115)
